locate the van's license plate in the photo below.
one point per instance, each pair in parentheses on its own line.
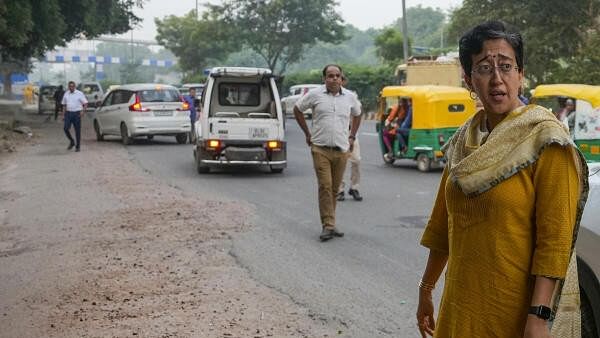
(259,133)
(163,113)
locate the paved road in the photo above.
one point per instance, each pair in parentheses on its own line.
(366,282)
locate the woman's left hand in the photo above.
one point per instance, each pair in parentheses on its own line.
(536,328)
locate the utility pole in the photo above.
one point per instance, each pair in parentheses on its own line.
(196,10)
(404,33)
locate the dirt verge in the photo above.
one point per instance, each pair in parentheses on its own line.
(92,246)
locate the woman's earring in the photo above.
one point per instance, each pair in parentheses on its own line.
(473,95)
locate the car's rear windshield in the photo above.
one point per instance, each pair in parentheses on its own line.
(159,95)
(239,94)
(90,88)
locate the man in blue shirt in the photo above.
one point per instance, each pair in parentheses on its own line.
(190,100)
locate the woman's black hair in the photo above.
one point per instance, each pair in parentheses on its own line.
(331,65)
(471,42)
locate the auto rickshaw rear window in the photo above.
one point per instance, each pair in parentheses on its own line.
(456,108)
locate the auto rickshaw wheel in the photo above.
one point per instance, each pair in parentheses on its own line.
(423,162)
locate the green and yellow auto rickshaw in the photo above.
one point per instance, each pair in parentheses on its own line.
(583,121)
(437,112)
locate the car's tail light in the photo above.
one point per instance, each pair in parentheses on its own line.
(137,105)
(184,106)
(273,145)
(441,139)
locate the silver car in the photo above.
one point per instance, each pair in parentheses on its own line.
(93,92)
(296,92)
(588,258)
(137,110)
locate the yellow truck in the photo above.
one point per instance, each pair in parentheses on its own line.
(440,72)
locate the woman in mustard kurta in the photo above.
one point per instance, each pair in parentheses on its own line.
(507,211)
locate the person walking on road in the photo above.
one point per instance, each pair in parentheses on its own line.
(507,211)
(354,160)
(74,105)
(58,96)
(329,139)
(190,99)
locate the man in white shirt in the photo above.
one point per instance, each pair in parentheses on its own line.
(354,160)
(74,104)
(329,139)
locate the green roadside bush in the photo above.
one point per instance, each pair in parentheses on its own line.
(366,81)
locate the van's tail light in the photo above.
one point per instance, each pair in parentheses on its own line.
(137,105)
(273,145)
(213,144)
(441,139)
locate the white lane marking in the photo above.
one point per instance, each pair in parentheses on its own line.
(370,134)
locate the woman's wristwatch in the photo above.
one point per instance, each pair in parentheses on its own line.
(352,137)
(541,311)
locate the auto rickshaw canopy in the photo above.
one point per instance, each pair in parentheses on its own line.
(435,106)
(578,91)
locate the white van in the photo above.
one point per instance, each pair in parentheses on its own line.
(241,121)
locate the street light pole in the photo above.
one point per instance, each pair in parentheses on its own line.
(196,9)
(404,33)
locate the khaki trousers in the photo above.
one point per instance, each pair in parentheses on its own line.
(354,160)
(329,166)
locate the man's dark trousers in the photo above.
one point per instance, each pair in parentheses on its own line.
(73,117)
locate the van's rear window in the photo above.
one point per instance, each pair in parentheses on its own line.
(159,95)
(239,94)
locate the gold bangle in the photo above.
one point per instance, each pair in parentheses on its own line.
(426,286)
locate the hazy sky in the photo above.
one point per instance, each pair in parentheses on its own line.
(360,13)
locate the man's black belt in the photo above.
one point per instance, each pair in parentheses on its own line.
(336,148)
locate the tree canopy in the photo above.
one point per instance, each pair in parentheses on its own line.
(390,46)
(195,42)
(29,28)
(559,37)
(278,31)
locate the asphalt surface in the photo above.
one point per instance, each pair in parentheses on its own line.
(366,282)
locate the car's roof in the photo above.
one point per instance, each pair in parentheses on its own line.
(190,85)
(145,86)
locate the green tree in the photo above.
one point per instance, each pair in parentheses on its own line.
(557,34)
(32,27)
(390,47)
(359,48)
(196,43)
(281,30)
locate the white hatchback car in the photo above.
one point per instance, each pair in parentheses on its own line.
(136,110)
(296,92)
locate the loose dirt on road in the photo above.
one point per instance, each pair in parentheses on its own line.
(93,246)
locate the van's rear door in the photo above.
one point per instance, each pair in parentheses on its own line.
(250,129)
